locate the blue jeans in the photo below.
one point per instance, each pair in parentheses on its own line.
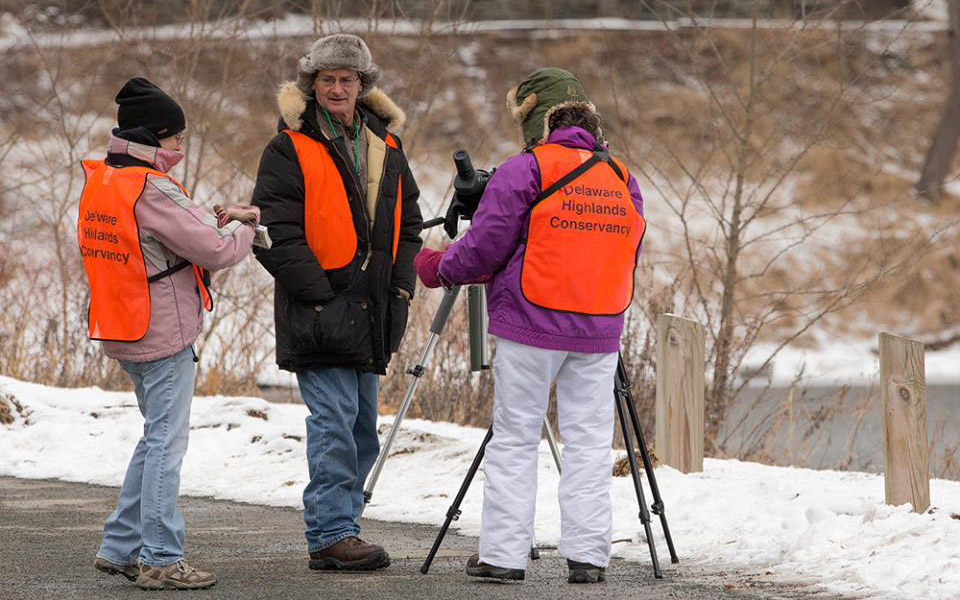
(146,524)
(342,445)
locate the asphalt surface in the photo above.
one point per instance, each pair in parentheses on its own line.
(50,532)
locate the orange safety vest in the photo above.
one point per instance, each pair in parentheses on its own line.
(583,236)
(328,222)
(109,239)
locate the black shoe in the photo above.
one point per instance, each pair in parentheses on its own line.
(475,568)
(581,572)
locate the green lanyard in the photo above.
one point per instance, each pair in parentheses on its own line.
(356,143)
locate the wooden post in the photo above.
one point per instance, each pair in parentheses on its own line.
(680,391)
(902,384)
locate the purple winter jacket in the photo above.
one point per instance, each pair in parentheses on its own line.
(492,246)
(172,229)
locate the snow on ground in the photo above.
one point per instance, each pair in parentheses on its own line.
(824,528)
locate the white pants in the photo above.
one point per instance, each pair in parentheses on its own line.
(521,381)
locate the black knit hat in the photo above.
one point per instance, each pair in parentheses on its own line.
(142,104)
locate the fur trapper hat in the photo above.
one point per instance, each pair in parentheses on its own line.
(541,94)
(337,51)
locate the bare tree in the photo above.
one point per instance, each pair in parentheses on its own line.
(760,247)
(943,149)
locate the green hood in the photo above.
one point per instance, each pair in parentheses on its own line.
(539,95)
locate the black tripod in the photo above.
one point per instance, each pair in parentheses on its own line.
(623,399)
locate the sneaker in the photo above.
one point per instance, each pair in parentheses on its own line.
(581,572)
(131,572)
(477,568)
(178,576)
(350,554)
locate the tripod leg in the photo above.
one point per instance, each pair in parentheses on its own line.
(554,447)
(436,328)
(453,512)
(635,474)
(558,460)
(623,385)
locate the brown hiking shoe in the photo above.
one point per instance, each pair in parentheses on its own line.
(178,576)
(131,572)
(350,554)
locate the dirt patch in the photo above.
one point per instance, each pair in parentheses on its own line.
(9,405)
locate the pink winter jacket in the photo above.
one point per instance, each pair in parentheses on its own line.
(173,229)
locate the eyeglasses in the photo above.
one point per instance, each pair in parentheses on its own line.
(327,81)
(180,137)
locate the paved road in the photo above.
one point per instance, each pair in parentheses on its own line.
(50,530)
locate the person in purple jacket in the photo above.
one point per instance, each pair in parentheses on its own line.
(558,230)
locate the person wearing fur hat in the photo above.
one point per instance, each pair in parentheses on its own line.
(146,248)
(337,194)
(558,228)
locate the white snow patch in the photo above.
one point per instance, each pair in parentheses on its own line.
(837,360)
(935,10)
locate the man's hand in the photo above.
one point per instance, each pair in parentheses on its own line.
(236,212)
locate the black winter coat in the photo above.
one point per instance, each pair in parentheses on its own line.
(350,316)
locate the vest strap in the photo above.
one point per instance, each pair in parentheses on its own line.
(169,271)
(558,184)
(605,157)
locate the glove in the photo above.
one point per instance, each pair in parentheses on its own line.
(427,264)
(236,212)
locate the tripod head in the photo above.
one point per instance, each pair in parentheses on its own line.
(468,188)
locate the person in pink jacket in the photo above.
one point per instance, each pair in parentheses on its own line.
(147,249)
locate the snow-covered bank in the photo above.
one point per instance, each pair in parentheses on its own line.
(824,528)
(841,361)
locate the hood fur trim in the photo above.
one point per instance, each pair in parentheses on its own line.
(519,113)
(293,102)
(384,107)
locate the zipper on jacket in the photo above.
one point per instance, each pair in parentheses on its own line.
(366,259)
(363,205)
(355,183)
(379,195)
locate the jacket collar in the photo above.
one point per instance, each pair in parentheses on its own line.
(160,159)
(572,137)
